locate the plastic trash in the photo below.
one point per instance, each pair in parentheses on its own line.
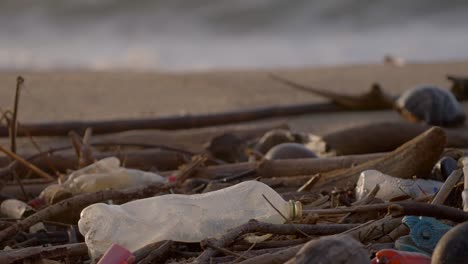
(107,174)
(177,217)
(425,233)
(465,191)
(16,209)
(116,254)
(392,187)
(391,256)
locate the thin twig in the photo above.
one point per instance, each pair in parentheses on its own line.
(14,124)
(26,163)
(245,253)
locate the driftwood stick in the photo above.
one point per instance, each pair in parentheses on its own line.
(287,229)
(26,163)
(382,137)
(77,203)
(171,122)
(400,208)
(375,99)
(54,252)
(282,168)
(449,183)
(416,157)
(14,121)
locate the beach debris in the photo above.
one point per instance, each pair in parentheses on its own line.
(391,187)
(167,197)
(185,218)
(414,158)
(425,233)
(116,254)
(452,247)
(444,167)
(375,99)
(379,137)
(15,209)
(431,105)
(275,137)
(393,60)
(289,151)
(227,147)
(391,256)
(459,87)
(107,174)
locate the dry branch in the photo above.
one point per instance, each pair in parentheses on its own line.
(170,122)
(17,255)
(414,158)
(375,99)
(283,168)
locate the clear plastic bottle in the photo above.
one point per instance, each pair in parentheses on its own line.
(107,174)
(185,218)
(392,187)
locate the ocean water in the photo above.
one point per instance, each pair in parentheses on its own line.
(221,34)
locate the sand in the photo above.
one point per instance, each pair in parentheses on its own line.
(56,96)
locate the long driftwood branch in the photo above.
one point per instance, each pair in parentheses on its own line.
(414,158)
(401,208)
(375,99)
(171,122)
(138,159)
(282,168)
(382,137)
(77,203)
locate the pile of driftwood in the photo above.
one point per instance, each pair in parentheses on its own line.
(208,159)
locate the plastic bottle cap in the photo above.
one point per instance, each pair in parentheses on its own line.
(296,209)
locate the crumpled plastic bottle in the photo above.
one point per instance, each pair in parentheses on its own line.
(392,187)
(107,174)
(177,217)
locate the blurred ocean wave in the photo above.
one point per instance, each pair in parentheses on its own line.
(207,34)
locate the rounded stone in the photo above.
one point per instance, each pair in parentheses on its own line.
(289,151)
(452,247)
(432,105)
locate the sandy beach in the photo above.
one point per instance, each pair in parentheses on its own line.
(59,96)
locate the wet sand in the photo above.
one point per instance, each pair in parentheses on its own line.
(58,96)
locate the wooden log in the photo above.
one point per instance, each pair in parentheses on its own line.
(282,168)
(414,158)
(170,122)
(144,159)
(381,137)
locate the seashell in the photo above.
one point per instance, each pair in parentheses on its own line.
(432,105)
(289,151)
